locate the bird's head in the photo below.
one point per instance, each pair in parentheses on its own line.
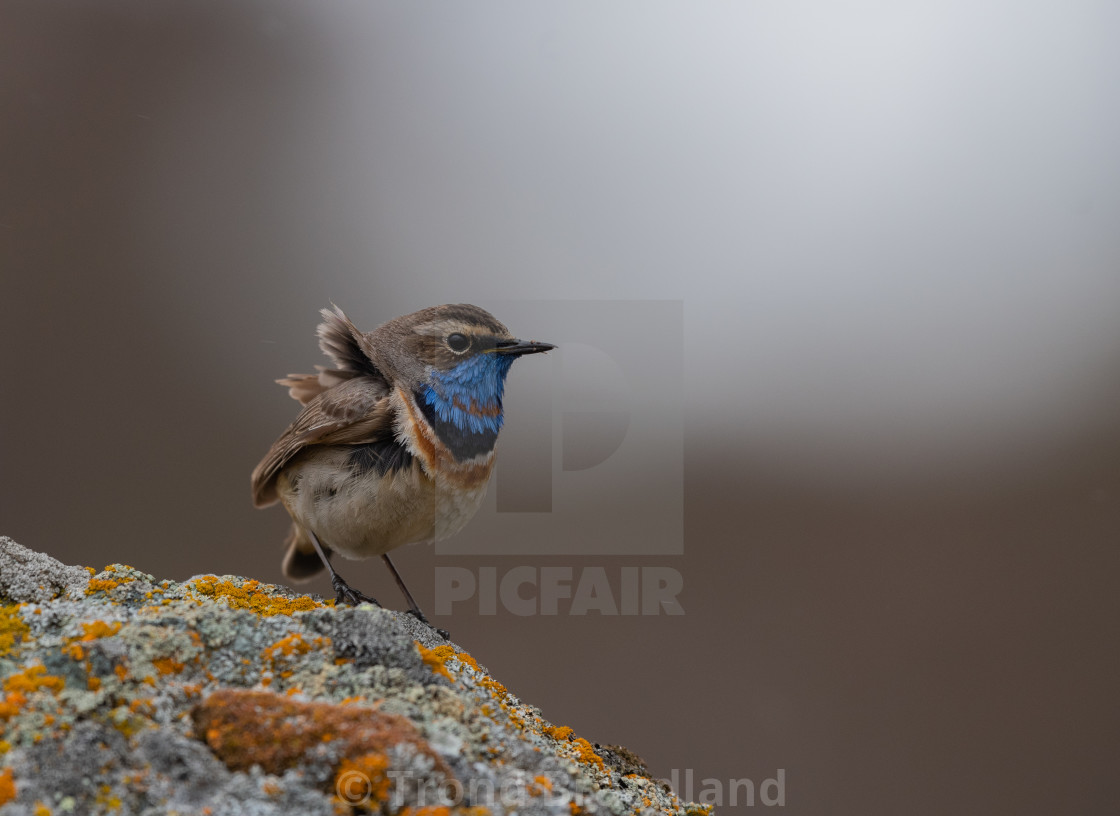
(454,359)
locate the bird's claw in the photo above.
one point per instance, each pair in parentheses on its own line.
(344,593)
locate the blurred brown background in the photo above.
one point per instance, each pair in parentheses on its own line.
(893,228)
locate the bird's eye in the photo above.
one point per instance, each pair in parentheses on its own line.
(458,342)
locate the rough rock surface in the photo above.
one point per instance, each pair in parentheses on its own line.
(221,695)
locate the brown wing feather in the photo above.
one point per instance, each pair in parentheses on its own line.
(340,340)
(353,412)
(305,387)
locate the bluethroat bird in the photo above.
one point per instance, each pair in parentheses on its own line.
(393,446)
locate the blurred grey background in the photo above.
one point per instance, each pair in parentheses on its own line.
(895,232)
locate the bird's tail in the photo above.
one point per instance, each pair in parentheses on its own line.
(301,562)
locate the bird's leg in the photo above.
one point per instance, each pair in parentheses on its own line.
(343,592)
(413,608)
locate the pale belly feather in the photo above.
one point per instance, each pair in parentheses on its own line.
(360,516)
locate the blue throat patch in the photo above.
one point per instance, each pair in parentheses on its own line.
(449,397)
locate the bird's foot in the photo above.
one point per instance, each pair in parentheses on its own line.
(416,613)
(344,593)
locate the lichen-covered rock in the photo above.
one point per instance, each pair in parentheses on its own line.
(121,694)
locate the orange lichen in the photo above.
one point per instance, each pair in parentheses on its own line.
(587,753)
(11,705)
(41,810)
(121,672)
(32,679)
(99,629)
(470,661)
(584,750)
(90,631)
(496,689)
(246,728)
(436,658)
(107,798)
(126,720)
(104,584)
(363,778)
(12,628)
(247,596)
(293,644)
(7,786)
(93,683)
(142,706)
(168,665)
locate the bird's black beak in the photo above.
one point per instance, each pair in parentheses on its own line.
(519,347)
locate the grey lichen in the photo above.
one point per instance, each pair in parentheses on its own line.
(221,695)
